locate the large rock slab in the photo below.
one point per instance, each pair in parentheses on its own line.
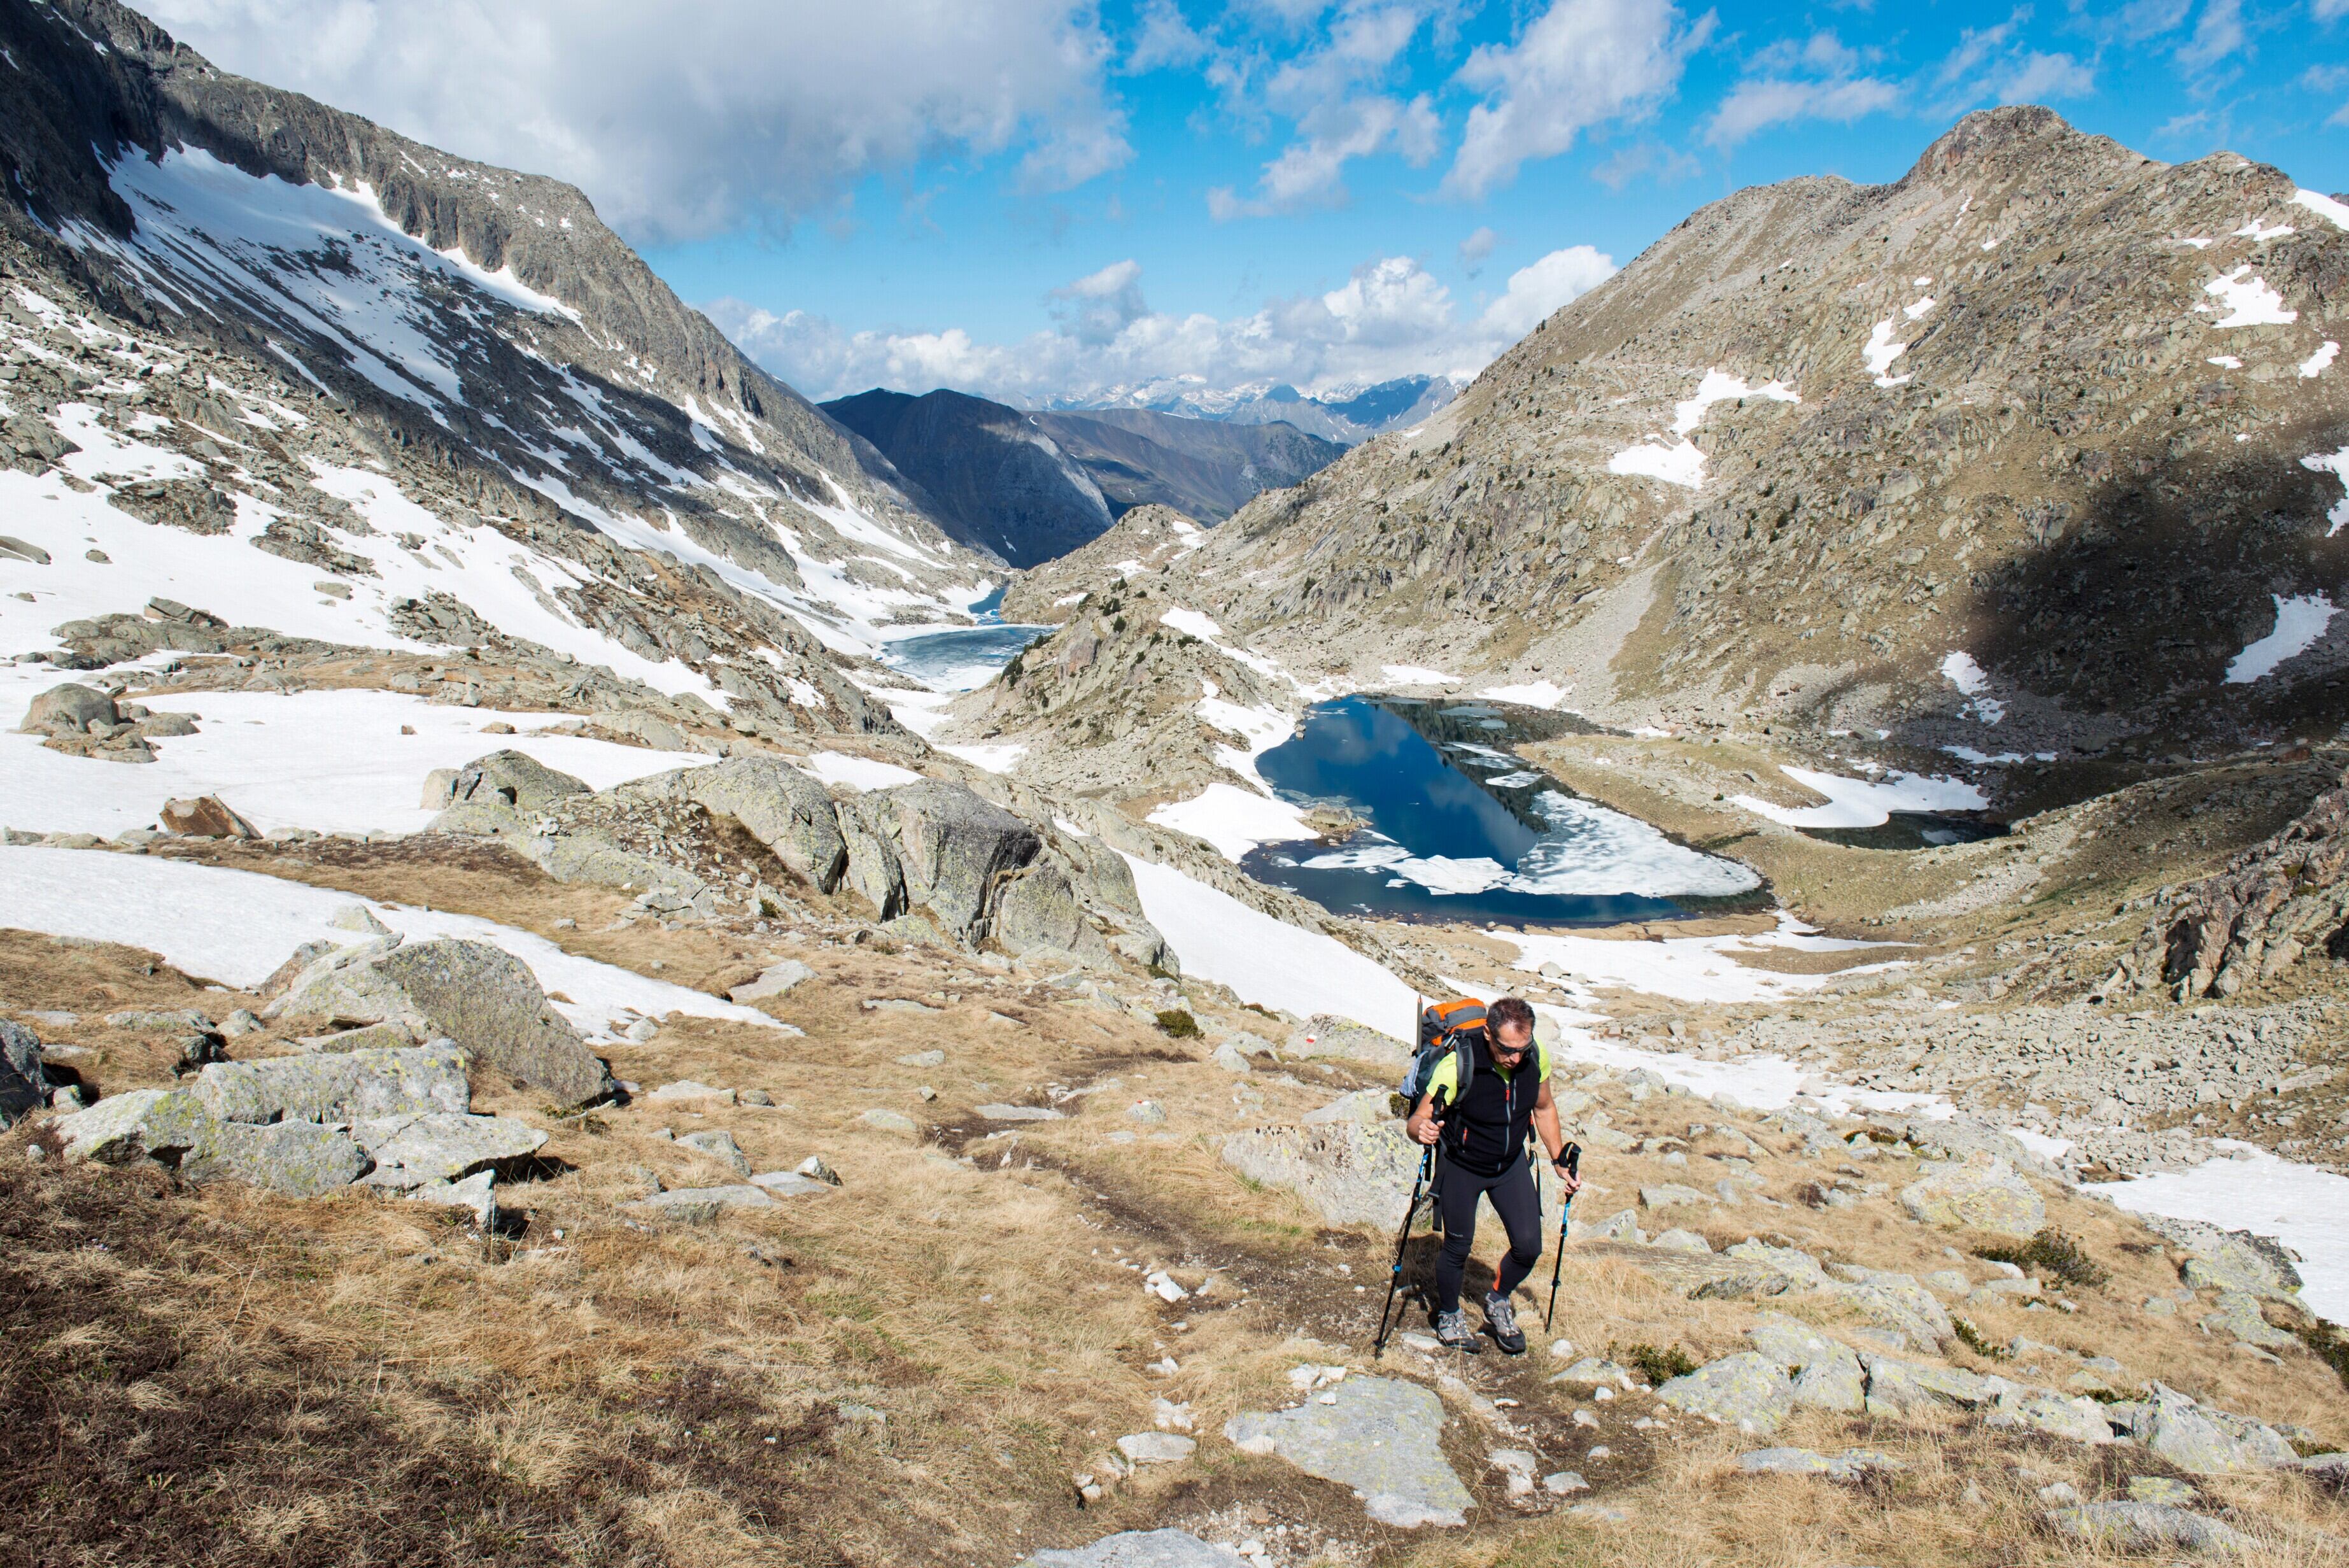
(2228,1259)
(2203,1441)
(138,1124)
(482,997)
(1324,1035)
(950,849)
(1378,1435)
(1748,1391)
(779,806)
(69,710)
(338,1087)
(511,779)
(23,1086)
(1898,1302)
(700,1205)
(1141,1549)
(1349,1172)
(441,1145)
(1981,1193)
(1897,1387)
(2079,1419)
(300,1159)
(2147,1527)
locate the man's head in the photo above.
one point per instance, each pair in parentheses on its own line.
(1509,1028)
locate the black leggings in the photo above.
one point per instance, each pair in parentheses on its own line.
(1513,1200)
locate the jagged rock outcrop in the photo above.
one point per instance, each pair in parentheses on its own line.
(2271,906)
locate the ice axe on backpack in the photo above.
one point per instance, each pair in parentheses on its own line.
(1565,1214)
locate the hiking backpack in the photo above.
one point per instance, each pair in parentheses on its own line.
(1443,1030)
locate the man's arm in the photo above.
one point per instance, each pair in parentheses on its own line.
(1546,1127)
(1422,1127)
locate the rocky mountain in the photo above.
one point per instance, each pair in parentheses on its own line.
(2031,457)
(1031,487)
(1346,416)
(242,320)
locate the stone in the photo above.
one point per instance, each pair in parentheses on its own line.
(360,919)
(240,1022)
(1348,1172)
(1671,1195)
(1592,1369)
(152,1123)
(789,1184)
(1799,1268)
(1141,1549)
(511,779)
(340,1086)
(2329,1470)
(298,1158)
(1379,1435)
(69,708)
(1325,1036)
(482,997)
(1849,1465)
(686,1090)
(1898,1387)
(1156,1447)
(441,1145)
(2072,1417)
(2239,1316)
(206,816)
(814,1169)
(2202,1440)
(782,808)
(952,849)
(1229,1057)
(1790,1341)
(700,1205)
(1002,1112)
(2162,1489)
(23,551)
(2145,1527)
(389,1035)
(2228,1259)
(720,1145)
(476,1193)
(775,980)
(890,1121)
(1897,1302)
(1678,1240)
(1148,1111)
(1747,1391)
(1981,1193)
(757,1098)
(923,1059)
(1836,1381)
(22,1086)
(1564,1483)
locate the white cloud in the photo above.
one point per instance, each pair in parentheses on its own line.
(1391,318)
(1581,63)
(1537,292)
(681,120)
(2329,10)
(1307,171)
(1757,104)
(2217,33)
(1477,246)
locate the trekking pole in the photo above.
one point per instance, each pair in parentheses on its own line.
(1394,1276)
(1565,1214)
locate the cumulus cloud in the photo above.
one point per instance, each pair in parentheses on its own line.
(684,121)
(1757,104)
(1392,317)
(1581,63)
(1476,248)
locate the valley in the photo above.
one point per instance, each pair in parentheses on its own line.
(602,964)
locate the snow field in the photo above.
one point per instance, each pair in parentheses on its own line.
(237,926)
(1860,803)
(332,762)
(2305,1209)
(2300,621)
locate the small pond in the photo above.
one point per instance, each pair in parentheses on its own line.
(1458,828)
(968,657)
(1915,830)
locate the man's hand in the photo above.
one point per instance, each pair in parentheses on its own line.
(1569,1183)
(1422,1127)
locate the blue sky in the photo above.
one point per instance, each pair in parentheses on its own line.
(1041,198)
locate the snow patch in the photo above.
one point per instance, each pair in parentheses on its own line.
(2305,1209)
(2224,361)
(1719,387)
(2335,464)
(1680,464)
(1960,671)
(2314,366)
(1879,353)
(995,759)
(237,926)
(1859,803)
(858,773)
(1534,694)
(2323,206)
(2252,231)
(1232,819)
(1416,675)
(1265,961)
(2248,300)
(2299,622)
(1684,969)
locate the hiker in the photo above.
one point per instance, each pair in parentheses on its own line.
(1481,1151)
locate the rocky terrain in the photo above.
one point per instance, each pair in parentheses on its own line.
(524,1038)
(1033,487)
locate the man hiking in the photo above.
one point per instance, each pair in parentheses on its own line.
(1481,1152)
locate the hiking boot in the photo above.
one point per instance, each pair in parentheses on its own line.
(1501,1318)
(1452,1328)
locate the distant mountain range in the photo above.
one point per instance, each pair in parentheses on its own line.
(1346,417)
(1028,487)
